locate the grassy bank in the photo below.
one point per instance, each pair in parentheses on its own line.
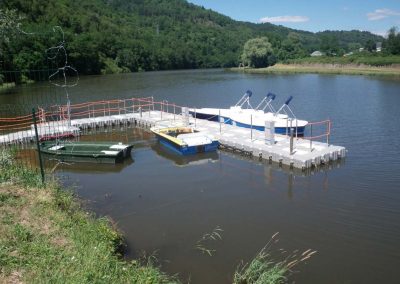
(357,59)
(323,69)
(46,237)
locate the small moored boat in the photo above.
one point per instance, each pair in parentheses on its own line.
(185,140)
(244,115)
(100,151)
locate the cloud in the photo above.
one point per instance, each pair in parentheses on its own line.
(285,19)
(380,14)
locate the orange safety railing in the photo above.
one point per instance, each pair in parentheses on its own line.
(325,133)
(87,110)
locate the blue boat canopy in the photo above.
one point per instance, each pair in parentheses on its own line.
(288,100)
(271,96)
(249,93)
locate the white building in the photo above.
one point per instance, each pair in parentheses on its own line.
(317,53)
(378,47)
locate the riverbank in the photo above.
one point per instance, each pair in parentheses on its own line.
(323,69)
(47,237)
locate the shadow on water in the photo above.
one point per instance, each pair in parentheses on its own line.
(181,160)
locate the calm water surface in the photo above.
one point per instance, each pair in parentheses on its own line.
(349,213)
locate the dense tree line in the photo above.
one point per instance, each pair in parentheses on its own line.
(109,36)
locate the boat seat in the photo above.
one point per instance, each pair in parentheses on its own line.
(57,147)
(110,152)
(195,139)
(119,146)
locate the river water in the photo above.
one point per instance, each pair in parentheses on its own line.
(349,212)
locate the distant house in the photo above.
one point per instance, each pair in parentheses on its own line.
(317,53)
(378,47)
(348,54)
(361,49)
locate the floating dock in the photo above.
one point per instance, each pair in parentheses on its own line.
(296,152)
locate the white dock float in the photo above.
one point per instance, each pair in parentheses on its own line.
(252,142)
(244,140)
(49,129)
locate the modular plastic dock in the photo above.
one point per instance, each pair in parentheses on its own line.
(292,151)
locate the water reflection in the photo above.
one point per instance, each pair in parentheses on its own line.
(181,160)
(349,214)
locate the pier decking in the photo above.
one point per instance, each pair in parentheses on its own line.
(302,154)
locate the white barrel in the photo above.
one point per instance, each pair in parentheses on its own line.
(185,115)
(269,132)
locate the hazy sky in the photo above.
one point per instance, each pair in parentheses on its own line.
(312,15)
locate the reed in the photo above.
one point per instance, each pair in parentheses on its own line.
(203,244)
(262,269)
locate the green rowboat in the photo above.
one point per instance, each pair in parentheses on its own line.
(99,151)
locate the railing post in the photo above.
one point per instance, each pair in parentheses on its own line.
(329,132)
(311,138)
(195,118)
(38,145)
(291,141)
(174,111)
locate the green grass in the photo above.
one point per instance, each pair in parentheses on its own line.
(46,237)
(367,64)
(355,59)
(263,270)
(322,69)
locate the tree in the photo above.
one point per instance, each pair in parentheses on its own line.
(330,44)
(370,45)
(392,44)
(9,21)
(257,52)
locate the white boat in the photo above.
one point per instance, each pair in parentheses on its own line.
(244,115)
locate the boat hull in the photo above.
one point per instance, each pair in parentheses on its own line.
(100,151)
(210,117)
(228,120)
(278,130)
(187,150)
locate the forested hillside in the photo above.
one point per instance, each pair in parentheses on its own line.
(108,36)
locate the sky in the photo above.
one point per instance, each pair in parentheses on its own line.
(375,16)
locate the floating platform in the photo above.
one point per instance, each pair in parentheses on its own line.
(295,152)
(46,131)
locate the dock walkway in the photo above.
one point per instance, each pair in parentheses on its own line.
(305,153)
